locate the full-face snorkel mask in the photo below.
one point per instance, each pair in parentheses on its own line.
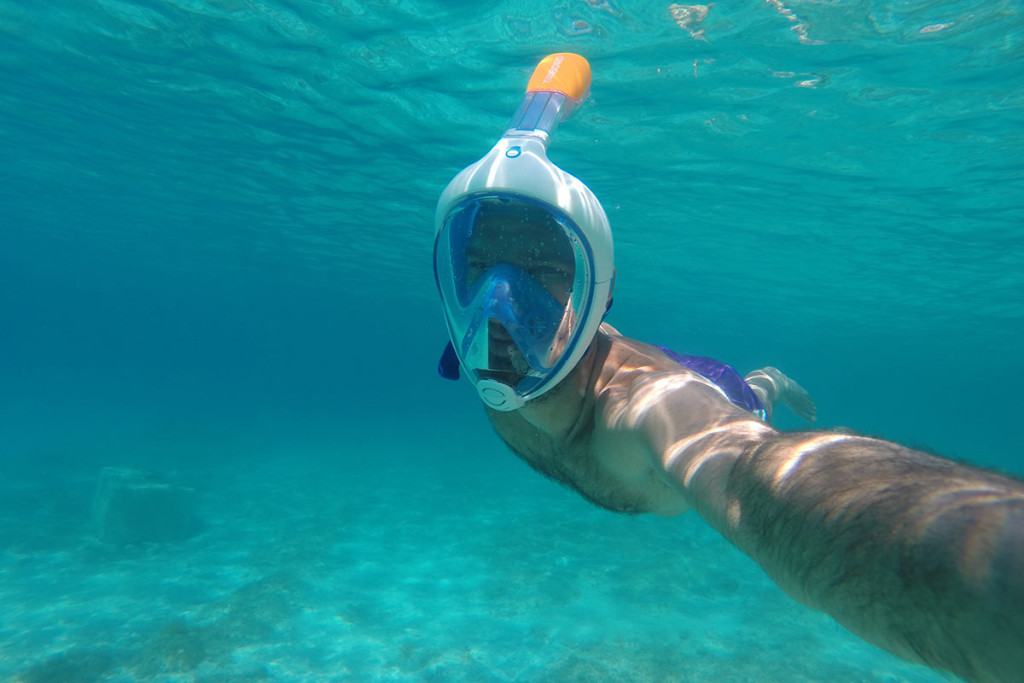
(523,251)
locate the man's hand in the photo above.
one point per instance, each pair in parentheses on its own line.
(794,396)
(772,387)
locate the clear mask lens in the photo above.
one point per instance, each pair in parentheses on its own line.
(514,277)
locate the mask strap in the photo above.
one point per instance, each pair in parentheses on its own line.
(448,366)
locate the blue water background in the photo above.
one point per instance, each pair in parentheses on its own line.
(215,238)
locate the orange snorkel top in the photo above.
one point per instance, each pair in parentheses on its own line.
(559,84)
(564,72)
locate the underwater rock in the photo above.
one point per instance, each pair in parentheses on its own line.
(131,506)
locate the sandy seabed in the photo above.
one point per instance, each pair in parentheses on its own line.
(397,571)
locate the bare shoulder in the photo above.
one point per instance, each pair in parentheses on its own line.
(632,377)
(621,356)
(652,415)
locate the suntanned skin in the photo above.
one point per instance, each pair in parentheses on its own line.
(916,554)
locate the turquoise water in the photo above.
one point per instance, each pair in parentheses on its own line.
(215,235)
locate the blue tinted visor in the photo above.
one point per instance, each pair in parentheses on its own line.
(516,283)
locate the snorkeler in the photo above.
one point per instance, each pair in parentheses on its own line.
(917,554)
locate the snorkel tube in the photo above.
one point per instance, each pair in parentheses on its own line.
(559,85)
(517,169)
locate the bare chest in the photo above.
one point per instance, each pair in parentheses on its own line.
(609,470)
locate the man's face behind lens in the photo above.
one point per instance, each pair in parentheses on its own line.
(529,240)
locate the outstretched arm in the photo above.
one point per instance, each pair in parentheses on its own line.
(771,386)
(919,555)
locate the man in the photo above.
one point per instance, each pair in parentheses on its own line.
(919,555)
